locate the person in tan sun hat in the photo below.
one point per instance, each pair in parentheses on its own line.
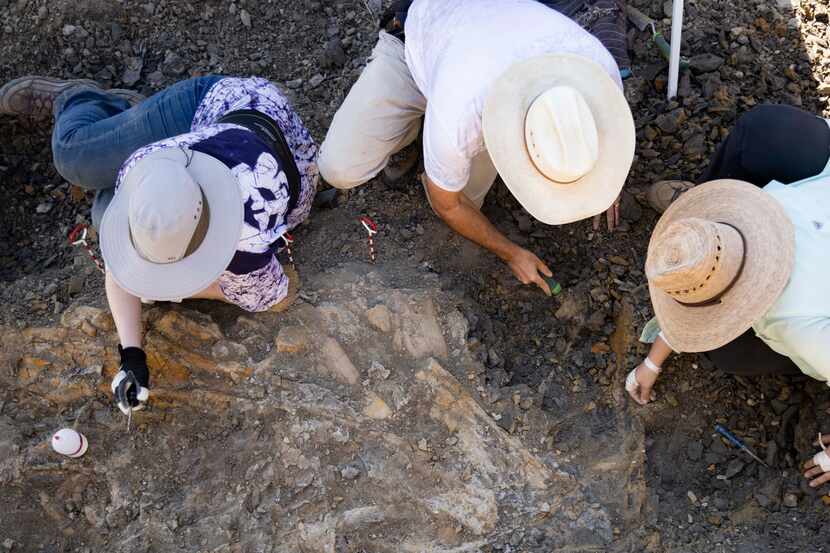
(504,87)
(739,268)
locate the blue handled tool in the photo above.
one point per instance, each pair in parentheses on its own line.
(732,439)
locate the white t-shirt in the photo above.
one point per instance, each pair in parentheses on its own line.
(456,49)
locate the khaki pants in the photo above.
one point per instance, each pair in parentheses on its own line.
(380,116)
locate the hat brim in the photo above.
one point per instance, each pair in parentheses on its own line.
(503,123)
(197,271)
(769,246)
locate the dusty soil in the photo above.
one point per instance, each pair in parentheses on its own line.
(695,493)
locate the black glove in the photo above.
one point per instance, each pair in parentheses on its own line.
(131,386)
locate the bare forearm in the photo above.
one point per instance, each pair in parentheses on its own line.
(659,352)
(126,312)
(472,225)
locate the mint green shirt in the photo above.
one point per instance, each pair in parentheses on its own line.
(798,324)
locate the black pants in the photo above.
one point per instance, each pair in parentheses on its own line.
(770,142)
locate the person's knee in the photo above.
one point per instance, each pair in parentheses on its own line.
(337,170)
(758,118)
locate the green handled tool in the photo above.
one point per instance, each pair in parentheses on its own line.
(555,287)
(732,439)
(665,47)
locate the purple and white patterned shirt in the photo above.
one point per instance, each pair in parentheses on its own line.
(254,280)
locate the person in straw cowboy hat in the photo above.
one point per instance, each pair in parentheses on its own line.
(505,87)
(196,187)
(740,271)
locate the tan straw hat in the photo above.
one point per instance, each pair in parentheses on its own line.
(561,134)
(718,259)
(173,226)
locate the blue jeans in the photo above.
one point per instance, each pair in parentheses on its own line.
(95,132)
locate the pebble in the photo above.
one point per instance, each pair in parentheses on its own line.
(349,472)
(694,450)
(423,445)
(68,29)
(734,468)
(246,18)
(790,500)
(315,81)
(44,207)
(333,54)
(705,63)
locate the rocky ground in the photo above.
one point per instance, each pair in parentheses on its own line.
(515,436)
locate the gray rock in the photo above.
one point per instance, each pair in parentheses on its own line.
(695,147)
(694,450)
(350,472)
(790,500)
(246,18)
(316,81)
(705,63)
(630,208)
(734,468)
(333,54)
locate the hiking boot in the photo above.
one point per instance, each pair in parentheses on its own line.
(33,96)
(664,192)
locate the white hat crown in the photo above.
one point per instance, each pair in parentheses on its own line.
(164,211)
(561,135)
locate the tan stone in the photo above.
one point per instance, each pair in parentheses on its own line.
(419,333)
(177,327)
(76,315)
(338,363)
(376,408)
(292,339)
(88,329)
(380,317)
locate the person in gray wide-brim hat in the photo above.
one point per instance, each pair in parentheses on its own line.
(195,187)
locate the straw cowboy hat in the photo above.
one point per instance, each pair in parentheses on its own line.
(173,226)
(561,134)
(718,259)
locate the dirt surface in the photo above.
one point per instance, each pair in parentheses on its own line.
(690,492)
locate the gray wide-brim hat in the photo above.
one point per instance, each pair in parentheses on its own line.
(194,272)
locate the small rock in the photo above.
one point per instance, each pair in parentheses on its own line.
(378,371)
(423,445)
(705,63)
(695,147)
(694,450)
(316,81)
(349,472)
(292,339)
(68,29)
(380,317)
(630,209)
(376,408)
(76,284)
(333,54)
(790,500)
(246,18)
(44,207)
(734,468)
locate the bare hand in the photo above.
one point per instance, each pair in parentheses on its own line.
(646,379)
(526,266)
(813,472)
(612,216)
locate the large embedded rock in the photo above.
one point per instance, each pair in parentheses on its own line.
(338,426)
